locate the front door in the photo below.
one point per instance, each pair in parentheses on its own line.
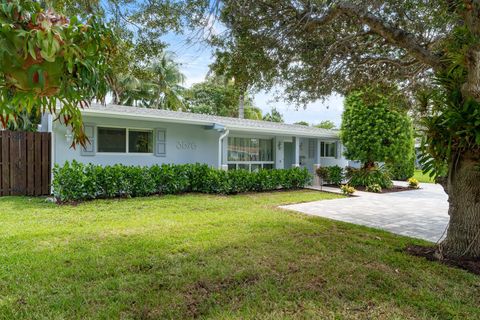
(288,154)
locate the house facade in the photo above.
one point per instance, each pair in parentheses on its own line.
(139,136)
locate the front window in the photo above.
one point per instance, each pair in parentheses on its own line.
(328,149)
(250,154)
(140,141)
(112,139)
(123,140)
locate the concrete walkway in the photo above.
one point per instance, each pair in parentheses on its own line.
(419,213)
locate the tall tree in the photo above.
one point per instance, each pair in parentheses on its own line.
(326,124)
(374,129)
(322,47)
(233,62)
(160,85)
(141,73)
(216,96)
(273,116)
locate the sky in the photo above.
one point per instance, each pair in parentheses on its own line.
(195,58)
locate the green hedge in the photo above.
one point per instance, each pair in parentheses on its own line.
(76,181)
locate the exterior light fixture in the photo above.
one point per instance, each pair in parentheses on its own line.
(69,136)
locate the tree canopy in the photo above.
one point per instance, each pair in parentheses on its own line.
(315,48)
(302,123)
(273,116)
(326,124)
(216,96)
(374,130)
(47,59)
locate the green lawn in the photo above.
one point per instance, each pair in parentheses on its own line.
(214,257)
(422,178)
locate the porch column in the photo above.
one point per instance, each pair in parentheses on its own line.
(316,179)
(279,147)
(296,159)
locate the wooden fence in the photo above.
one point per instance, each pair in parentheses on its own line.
(25,163)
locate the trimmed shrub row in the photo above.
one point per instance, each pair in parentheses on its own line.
(76,181)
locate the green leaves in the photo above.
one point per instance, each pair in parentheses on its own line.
(51,63)
(451,125)
(374,129)
(369,177)
(76,181)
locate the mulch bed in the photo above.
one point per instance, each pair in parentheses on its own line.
(470,265)
(389,190)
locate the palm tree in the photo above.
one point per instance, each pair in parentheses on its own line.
(165,85)
(157,86)
(122,87)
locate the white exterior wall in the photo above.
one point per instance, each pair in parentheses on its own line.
(310,162)
(340,160)
(177,136)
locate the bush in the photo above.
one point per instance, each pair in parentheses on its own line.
(374,188)
(335,175)
(332,175)
(322,173)
(76,181)
(370,176)
(403,168)
(347,190)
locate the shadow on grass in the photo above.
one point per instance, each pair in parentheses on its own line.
(278,265)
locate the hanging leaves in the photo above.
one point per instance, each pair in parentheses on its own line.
(49,63)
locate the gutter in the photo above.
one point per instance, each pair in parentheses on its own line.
(275,131)
(220,153)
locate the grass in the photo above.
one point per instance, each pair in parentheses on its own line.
(201,256)
(422,178)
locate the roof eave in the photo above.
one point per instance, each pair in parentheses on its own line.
(126,115)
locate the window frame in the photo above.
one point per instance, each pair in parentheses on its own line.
(325,148)
(250,163)
(127,130)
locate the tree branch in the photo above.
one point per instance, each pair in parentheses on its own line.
(393,35)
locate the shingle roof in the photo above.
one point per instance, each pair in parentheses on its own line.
(204,119)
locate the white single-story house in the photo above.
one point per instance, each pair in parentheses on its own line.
(139,136)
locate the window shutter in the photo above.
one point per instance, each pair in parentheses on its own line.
(337,150)
(160,142)
(89,149)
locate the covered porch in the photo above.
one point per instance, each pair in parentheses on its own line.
(254,152)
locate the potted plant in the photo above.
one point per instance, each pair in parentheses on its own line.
(322,173)
(413,183)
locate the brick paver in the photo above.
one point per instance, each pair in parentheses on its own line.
(419,213)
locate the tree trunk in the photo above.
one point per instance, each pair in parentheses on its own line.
(369,165)
(463,188)
(241,106)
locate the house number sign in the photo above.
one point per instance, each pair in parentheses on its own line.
(184,145)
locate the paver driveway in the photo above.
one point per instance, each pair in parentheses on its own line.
(418,213)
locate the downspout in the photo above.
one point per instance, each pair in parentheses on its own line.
(220,153)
